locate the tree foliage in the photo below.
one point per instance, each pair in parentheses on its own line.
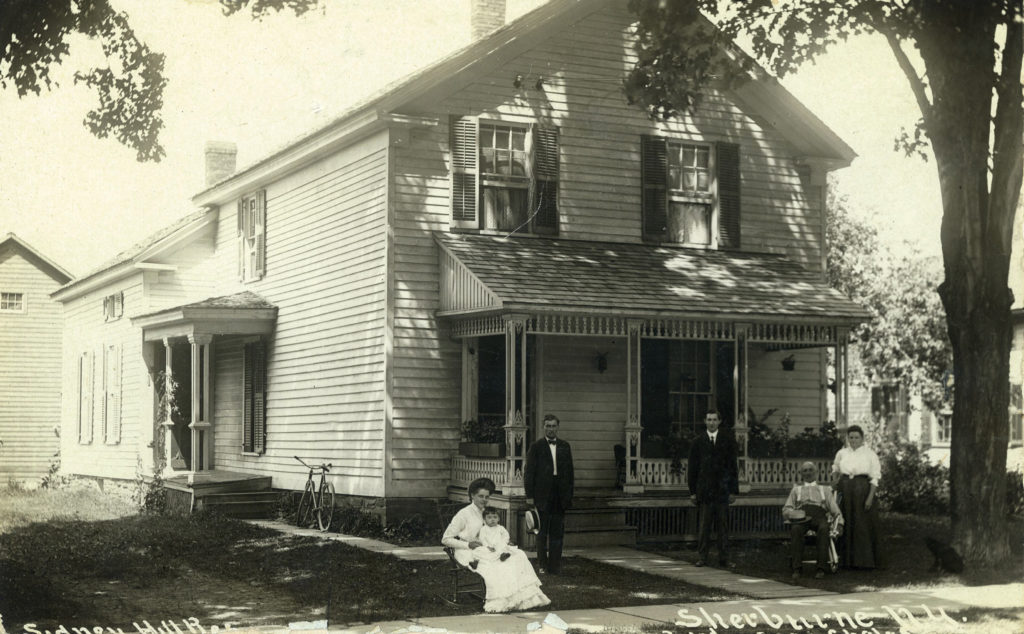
(962,61)
(34,39)
(906,339)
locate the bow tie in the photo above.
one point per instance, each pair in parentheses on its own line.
(552,442)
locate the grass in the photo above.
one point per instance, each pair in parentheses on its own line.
(19,507)
(157,567)
(907,563)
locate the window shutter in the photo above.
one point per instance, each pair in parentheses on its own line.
(247,385)
(259,393)
(86,403)
(80,394)
(260,265)
(464,143)
(728,161)
(112,422)
(241,239)
(654,172)
(545,171)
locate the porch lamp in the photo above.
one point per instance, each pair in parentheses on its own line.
(602,362)
(789,363)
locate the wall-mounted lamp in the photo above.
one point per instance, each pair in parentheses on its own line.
(789,363)
(602,362)
(540,83)
(518,81)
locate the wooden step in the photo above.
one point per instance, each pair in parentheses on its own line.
(585,518)
(253,505)
(600,536)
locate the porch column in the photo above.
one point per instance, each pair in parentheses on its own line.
(200,425)
(633,428)
(739,381)
(515,404)
(842,369)
(167,424)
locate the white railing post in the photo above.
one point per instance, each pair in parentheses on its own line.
(633,429)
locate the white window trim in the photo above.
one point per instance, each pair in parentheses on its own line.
(24,303)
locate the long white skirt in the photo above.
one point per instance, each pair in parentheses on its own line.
(511,584)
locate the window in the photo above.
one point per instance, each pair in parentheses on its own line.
(504,176)
(252,231)
(681,380)
(254,392)
(12,302)
(944,427)
(1016,413)
(113,306)
(84,389)
(691,192)
(112,394)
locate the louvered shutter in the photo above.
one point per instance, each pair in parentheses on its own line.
(545,171)
(241,239)
(728,162)
(654,172)
(260,266)
(464,143)
(112,424)
(247,387)
(86,402)
(259,393)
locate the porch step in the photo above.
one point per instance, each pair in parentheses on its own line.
(614,535)
(251,483)
(589,518)
(242,505)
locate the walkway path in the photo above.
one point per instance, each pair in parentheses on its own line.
(772,603)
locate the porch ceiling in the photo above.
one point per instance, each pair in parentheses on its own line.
(240,314)
(539,275)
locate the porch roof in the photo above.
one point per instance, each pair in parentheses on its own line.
(490,274)
(243,313)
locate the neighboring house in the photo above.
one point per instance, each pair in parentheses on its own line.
(30,366)
(500,235)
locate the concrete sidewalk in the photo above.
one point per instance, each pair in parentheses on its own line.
(774,606)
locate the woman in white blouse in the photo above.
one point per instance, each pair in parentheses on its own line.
(511,584)
(859,474)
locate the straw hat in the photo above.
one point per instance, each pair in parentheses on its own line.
(532,519)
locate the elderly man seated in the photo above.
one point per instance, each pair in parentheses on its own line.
(810,506)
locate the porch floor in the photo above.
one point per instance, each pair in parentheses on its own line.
(217,481)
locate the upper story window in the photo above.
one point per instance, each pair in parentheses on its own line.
(252,232)
(1016,413)
(12,302)
(691,192)
(944,427)
(504,176)
(113,306)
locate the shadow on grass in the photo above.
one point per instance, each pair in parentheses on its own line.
(114,573)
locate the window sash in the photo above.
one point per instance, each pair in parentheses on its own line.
(12,302)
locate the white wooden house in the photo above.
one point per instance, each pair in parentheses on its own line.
(30,343)
(500,234)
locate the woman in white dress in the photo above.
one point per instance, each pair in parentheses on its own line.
(859,473)
(512,583)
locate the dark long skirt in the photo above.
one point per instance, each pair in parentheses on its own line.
(859,543)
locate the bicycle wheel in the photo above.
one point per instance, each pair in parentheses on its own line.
(304,516)
(325,510)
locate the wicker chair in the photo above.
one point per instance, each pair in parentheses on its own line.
(465,581)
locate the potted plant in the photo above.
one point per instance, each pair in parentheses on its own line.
(483,438)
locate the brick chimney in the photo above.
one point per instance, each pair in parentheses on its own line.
(220,161)
(486,16)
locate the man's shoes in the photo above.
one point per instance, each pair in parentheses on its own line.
(726,564)
(820,574)
(796,575)
(701,563)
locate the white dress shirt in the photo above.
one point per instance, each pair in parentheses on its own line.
(553,446)
(860,461)
(464,528)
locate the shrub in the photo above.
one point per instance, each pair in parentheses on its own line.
(910,483)
(412,529)
(1014,493)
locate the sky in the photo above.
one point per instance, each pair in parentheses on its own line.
(80,200)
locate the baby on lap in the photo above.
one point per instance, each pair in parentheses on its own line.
(494,539)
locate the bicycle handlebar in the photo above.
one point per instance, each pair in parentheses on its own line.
(326,468)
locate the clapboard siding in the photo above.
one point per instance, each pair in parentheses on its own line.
(800,392)
(599,199)
(590,405)
(30,360)
(326,273)
(86,331)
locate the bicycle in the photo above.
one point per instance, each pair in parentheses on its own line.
(319,501)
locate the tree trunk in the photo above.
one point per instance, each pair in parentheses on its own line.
(957,47)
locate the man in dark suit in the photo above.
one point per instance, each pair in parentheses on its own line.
(713,478)
(549,483)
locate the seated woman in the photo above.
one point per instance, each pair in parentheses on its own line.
(859,472)
(511,583)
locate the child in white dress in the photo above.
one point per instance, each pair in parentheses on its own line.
(494,538)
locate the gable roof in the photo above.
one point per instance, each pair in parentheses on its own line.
(41,262)
(571,276)
(124,261)
(764,93)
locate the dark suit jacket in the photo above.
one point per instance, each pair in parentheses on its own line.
(539,479)
(712,473)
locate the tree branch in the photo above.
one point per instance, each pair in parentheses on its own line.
(1008,137)
(916,85)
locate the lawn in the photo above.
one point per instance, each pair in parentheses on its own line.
(907,562)
(113,572)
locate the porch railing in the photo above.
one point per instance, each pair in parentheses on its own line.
(657,473)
